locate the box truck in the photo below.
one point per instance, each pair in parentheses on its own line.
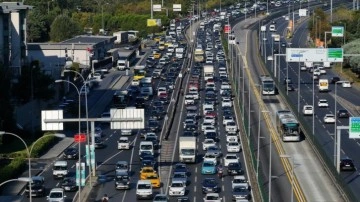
(187,149)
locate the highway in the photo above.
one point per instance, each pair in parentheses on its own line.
(322,132)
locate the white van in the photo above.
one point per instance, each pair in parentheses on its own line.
(146,146)
(144,189)
(272,28)
(60,169)
(56,195)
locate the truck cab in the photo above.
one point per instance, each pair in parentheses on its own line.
(60,169)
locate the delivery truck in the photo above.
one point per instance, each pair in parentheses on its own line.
(187,149)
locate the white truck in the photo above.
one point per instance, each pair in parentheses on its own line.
(327,65)
(179,52)
(208,72)
(187,149)
(323,85)
(121,37)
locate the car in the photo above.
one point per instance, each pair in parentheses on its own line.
(180,167)
(206,125)
(122,166)
(148,160)
(231,127)
(154,179)
(207,143)
(210,157)
(208,167)
(160,198)
(123,143)
(230,158)
(209,119)
(180,176)
(143,154)
(334,79)
(227,119)
(343,113)
(240,180)
(214,150)
(226,103)
(154,140)
(323,103)
(290,87)
(235,168)
(212,197)
(329,118)
(177,188)
(71,153)
(308,110)
(240,192)
(99,143)
(122,180)
(146,171)
(69,184)
(346,84)
(56,195)
(210,185)
(37,186)
(287,80)
(182,199)
(347,164)
(303,68)
(233,147)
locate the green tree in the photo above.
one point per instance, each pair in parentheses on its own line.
(37,26)
(63,28)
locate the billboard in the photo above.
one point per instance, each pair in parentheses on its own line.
(314,55)
(227,29)
(153,22)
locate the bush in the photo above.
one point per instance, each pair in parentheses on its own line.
(12,170)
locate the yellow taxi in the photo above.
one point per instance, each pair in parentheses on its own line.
(157,55)
(154,179)
(146,171)
(157,39)
(168,43)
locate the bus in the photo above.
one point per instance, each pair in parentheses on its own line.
(268,85)
(139,72)
(199,54)
(287,126)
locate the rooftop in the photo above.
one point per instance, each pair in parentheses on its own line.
(88,39)
(8,7)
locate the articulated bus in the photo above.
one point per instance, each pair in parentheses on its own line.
(268,85)
(139,72)
(287,126)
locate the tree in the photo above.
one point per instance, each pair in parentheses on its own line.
(63,28)
(7,122)
(37,26)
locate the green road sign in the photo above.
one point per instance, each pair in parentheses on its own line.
(354,127)
(337,31)
(335,55)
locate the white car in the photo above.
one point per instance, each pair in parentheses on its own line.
(210,157)
(232,137)
(227,119)
(212,197)
(308,110)
(329,118)
(177,188)
(323,103)
(206,125)
(346,84)
(316,72)
(230,158)
(231,127)
(123,143)
(303,68)
(226,103)
(225,85)
(209,61)
(240,180)
(135,82)
(161,90)
(209,119)
(233,147)
(189,100)
(208,143)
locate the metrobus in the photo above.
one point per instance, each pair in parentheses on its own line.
(287,126)
(139,72)
(268,85)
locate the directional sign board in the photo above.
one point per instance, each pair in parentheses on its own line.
(354,127)
(131,118)
(335,55)
(314,55)
(302,12)
(337,31)
(176,7)
(306,55)
(157,7)
(51,114)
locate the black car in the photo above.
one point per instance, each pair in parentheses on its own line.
(235,169)
(148,160)
(164,100)
(71,153)
(211,135)
(347,164)
(69,184)
(287,81)
(343,113)
(37,186)
(122,180)
(140,102)
(154,125)
(144,154)
(144,131)
(154,114)
(153,139)
(210,185)
(290,87)
(99,143)
(190,127)
(240,192)
(334,79)
(180,167)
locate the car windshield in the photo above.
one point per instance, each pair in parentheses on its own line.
(144,186)
(212,198)
(187,151)
(55,195)
(239,181)
(208,164)
(210,181)
(176,185)
(239,189)
(231,157)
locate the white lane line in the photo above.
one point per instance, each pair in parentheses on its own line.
(131,160)
(194,189)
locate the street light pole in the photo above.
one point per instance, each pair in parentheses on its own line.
(335,124)
(270,153)
(79,130)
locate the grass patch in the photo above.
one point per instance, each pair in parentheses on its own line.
(347,74)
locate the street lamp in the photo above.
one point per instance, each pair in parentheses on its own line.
(21,179)
(335,124)
(270,153)
(292,174)
(28,151)
(77,89)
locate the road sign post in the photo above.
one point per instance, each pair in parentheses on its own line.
(80,174)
